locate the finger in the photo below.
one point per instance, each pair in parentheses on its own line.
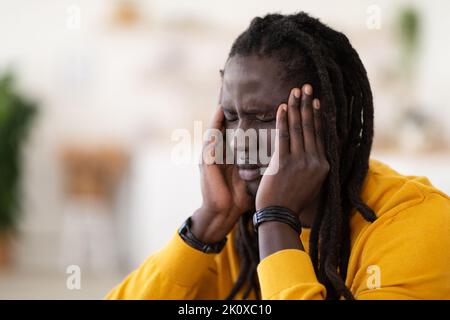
(318,127)
(216,123)
(308,120)
(294,121)
(282,137)
(217,120)
(213,140)
(209,154)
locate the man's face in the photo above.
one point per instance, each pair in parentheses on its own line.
(252,90)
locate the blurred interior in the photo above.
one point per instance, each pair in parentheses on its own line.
(109,81)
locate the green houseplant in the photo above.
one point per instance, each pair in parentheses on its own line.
(16,114)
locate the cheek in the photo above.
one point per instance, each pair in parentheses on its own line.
(267,136)
(230,124)
(265,133)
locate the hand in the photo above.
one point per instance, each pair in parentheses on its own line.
(299,156)
(224,196)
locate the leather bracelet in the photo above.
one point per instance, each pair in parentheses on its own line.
(186,234)
(277,213)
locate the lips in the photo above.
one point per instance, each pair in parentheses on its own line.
(249,172)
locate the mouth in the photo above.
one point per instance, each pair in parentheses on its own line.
(249,172)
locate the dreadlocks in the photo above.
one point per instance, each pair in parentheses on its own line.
(301,42)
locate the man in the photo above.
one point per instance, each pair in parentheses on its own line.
(331,223)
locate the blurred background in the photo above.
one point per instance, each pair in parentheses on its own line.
(91,92)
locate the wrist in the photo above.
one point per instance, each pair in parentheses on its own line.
(274,236)
(186,234)
(278,230)
(276,214)
(205,228)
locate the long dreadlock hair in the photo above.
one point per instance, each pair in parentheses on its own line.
(301,42)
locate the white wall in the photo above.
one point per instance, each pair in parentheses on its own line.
(99,83)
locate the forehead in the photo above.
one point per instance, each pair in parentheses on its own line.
(252,67)
(250,80)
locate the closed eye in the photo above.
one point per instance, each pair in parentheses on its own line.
(269,117)
(230,116)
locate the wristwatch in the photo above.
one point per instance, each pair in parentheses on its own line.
(186,234)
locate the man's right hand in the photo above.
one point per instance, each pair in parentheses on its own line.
(224,195)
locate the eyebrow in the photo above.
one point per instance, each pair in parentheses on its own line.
(255,106)
(251,106)
(227,107)
(251,109)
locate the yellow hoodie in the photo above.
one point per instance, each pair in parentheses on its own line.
(404,254)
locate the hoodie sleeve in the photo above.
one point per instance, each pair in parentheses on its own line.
(402,255)
(175,272)
(289,275)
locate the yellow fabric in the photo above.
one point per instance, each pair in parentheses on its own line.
(404,254)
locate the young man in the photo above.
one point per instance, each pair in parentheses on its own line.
(330,223)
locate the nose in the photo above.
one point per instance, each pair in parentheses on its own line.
(245,143)
(239,144)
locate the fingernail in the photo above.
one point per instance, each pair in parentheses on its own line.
(316,104)
(284,106)
(297,93)
(307,89)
